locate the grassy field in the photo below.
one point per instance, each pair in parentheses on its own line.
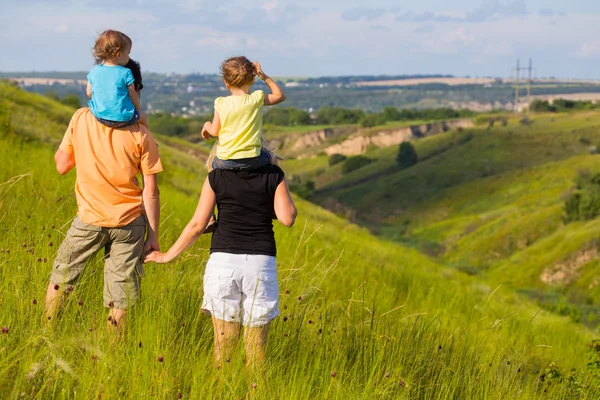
(488,202)
(361,318)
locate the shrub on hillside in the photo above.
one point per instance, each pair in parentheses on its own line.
(354,163)
(583,204)
(538,105)
(526,121)
(71,100)
(336,159)
(407,155)
(289,116)
(302,189)
(370,120)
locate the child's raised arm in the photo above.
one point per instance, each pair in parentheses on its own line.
(276,96)
(88,89)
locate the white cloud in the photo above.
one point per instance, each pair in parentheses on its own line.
(62,28)
(589,50)
(459,36)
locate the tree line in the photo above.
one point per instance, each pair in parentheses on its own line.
(292,116)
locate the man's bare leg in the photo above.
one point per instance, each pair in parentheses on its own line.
(225,339)
(54,298)
(255,340)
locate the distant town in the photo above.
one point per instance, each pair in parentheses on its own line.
(194,94)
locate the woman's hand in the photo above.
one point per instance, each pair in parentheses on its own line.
(157,257)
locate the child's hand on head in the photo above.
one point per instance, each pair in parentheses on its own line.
(259,71)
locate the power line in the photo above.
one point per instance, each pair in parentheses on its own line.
(518,70)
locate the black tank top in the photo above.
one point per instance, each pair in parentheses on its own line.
(245,205)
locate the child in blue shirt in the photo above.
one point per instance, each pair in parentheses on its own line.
(114,100)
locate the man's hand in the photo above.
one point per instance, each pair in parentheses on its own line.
(151,245)
(156,257)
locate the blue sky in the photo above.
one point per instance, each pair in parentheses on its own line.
(312,37)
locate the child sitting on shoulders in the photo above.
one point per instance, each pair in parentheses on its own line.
(114,100)
(237,121)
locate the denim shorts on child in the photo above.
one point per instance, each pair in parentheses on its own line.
(241,288)
(120,124)
(243,164)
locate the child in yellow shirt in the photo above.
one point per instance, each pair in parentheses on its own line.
(237,121)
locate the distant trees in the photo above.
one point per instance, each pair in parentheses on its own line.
(584,202)
(290,116)
(71,100)
(176,126)
(407,155)
(336,159)
(354,163)
(538,105)
(560,105)
(338,116)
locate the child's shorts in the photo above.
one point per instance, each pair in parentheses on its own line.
(244,164)
(120,124)
(241,288)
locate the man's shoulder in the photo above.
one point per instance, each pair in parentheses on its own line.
(80,114)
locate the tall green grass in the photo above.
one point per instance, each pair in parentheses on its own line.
(360,318)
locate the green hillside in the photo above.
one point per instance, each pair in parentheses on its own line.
(490,202)
(366,318)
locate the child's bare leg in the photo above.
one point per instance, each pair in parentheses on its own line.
(143,119)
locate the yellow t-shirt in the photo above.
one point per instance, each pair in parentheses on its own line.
(241,125)
(107,161)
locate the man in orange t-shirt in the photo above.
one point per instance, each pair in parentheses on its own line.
(113,211)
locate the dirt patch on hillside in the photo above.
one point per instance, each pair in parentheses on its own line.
(567,271)
(358,144)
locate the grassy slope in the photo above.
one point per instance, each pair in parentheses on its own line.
(355,305)
(494,202)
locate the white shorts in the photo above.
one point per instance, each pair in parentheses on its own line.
(241,288)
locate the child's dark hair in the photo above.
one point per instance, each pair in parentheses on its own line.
(136,70)
(238,71)
(109,44)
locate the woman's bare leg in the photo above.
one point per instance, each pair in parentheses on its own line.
(255,340)
(225,339)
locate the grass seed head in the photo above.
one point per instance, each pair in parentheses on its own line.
(254,385)
(56,287)
(160,359)
(5,329)
(333,374)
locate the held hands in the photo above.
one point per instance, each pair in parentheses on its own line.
(259,71)
(157,257)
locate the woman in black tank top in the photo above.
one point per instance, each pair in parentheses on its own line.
(240,281)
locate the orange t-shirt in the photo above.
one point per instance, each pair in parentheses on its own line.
(107,161)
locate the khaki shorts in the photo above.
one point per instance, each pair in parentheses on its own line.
(123,248)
